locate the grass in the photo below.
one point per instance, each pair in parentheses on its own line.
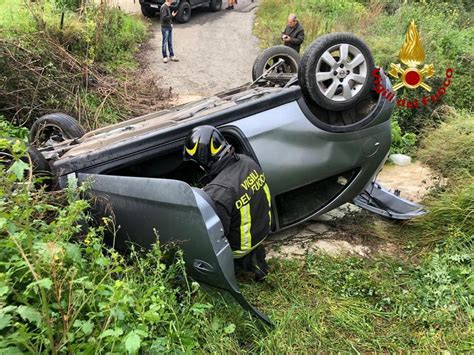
(456,158)
(419,302)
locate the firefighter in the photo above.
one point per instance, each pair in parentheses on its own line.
(237,185)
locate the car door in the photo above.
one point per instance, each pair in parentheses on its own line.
(145,207)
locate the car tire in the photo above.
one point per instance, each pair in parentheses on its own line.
(215,5)
(147,11)
(271,55)
(39,162)
(184,12)
(56,126)
(333,80)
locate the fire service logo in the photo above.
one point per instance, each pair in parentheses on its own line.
(412,55)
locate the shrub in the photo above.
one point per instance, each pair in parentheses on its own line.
(401,143)
(63,290)
(450,148)
(74,69)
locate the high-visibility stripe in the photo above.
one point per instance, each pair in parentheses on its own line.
(269,199)
(241,253)
(245,226)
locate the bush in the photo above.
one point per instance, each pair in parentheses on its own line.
(450,149)
(63,290)
(74,69)
(401,143)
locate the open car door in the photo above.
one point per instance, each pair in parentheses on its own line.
(178,213)
(377,199)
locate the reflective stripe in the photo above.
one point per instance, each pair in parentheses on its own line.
(245,225)
(269,199)
(237,254)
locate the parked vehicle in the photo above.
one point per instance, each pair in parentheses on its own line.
(151,8)
(320,137)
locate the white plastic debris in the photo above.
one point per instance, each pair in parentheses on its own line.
(400,159)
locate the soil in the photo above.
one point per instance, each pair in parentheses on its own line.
(216,53)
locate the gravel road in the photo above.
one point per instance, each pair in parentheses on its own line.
(216,51)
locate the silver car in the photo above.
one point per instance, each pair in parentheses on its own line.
(314,124)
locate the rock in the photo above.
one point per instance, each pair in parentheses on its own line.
(339,247)
(317,228)
(294,251)
(284,234)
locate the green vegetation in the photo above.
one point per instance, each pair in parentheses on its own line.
(450,149)
(63,290)
(78,65)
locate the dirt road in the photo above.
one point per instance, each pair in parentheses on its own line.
(216,51)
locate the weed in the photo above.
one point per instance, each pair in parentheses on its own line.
(61,295)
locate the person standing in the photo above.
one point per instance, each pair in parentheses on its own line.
(293,35)
(230,4)
(167,31)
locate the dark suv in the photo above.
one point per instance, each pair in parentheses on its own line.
(151,8)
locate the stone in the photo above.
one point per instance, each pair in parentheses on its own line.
(283,235)
(317,228)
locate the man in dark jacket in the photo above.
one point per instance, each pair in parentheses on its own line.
(167,31)
(240,193)
(293,35)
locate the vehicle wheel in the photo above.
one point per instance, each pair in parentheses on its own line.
(271,56)
(335,71)
(148,11)
(215,5)
(54,128)
(184,12)
(40,164)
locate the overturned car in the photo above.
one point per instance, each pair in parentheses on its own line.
(314,125)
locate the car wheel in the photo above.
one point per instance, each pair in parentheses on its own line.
(38,161)
(184,12)
(54,128)
(148,11)
(335,71)
(270,56)
(215,5)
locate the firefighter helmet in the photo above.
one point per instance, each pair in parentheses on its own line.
(205,145)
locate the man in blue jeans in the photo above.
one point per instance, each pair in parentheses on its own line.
(167,31)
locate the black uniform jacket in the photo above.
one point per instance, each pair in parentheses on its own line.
(297,36)
(242,200)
